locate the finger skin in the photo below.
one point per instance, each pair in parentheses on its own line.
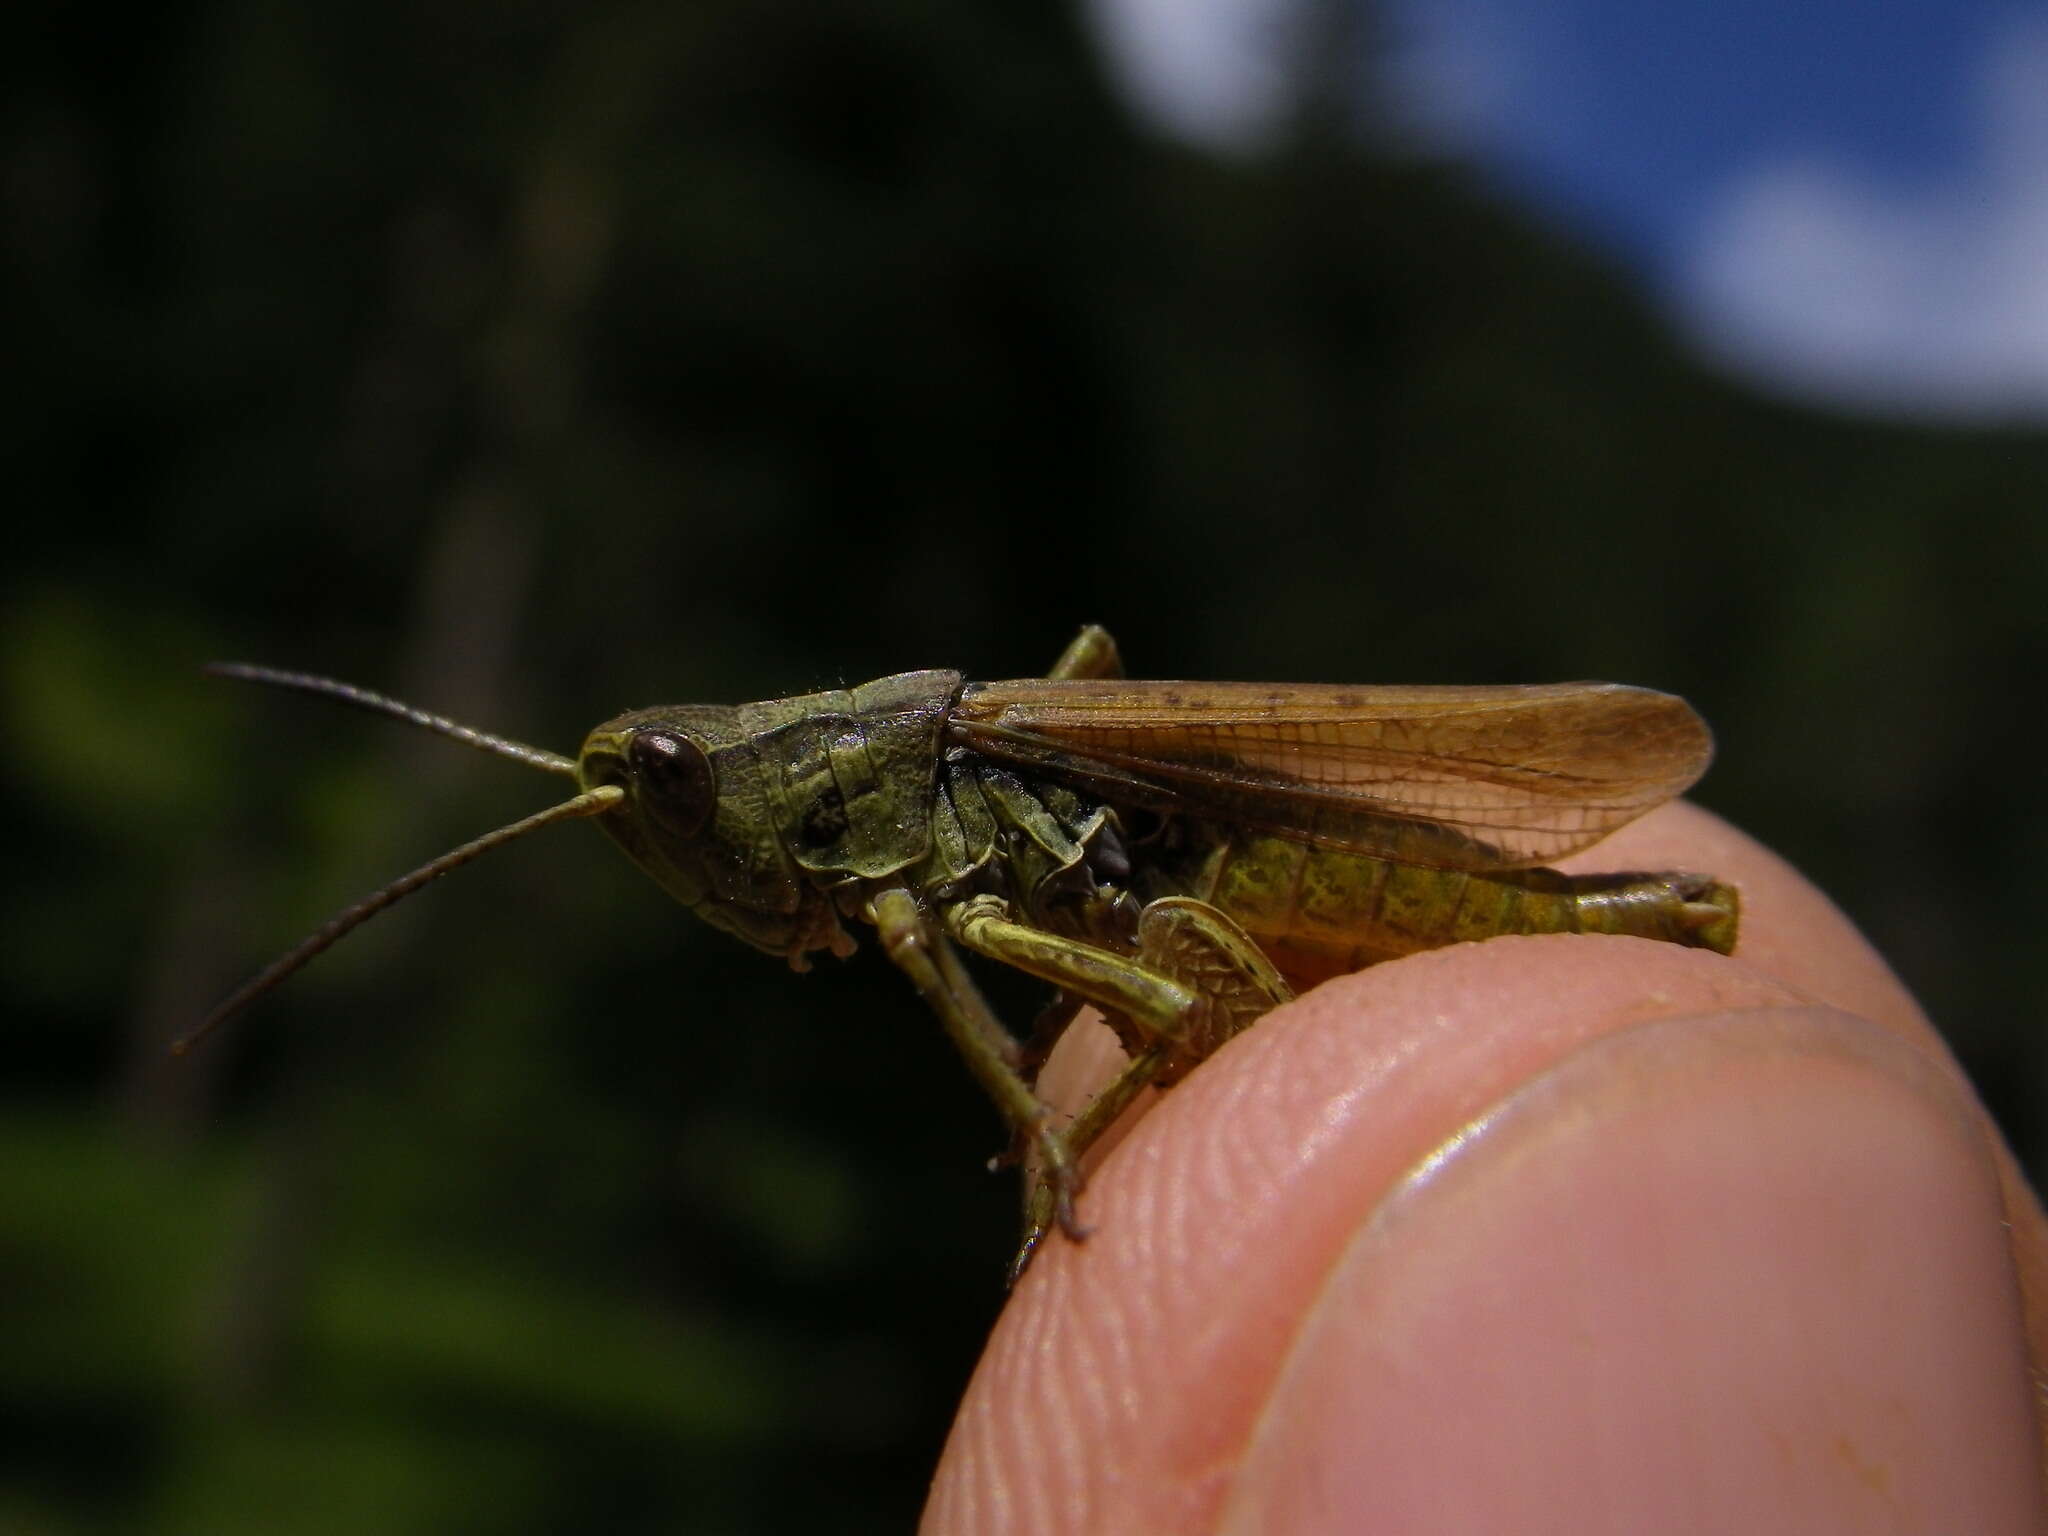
(1134,1381)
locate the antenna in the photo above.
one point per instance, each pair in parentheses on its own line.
(592,802)
(380,704)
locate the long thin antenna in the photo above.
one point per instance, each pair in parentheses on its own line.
(592,802)
(379,704)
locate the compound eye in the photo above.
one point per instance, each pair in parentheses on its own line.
(673,780)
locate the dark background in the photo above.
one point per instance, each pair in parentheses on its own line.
(538,361)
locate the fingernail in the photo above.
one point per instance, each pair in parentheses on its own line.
(1740,1272)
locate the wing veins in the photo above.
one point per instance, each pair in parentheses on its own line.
(1651,747)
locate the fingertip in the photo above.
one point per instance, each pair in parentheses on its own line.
(1127,1383)
(1124,1378)
(1793,933)
(1755,1256)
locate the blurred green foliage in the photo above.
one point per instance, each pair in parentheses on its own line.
(539,361)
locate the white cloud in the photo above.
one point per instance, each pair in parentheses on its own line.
(1934,298)
(1215,71)
(1219,72)
(1805,272)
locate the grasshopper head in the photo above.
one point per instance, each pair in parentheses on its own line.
(696,817)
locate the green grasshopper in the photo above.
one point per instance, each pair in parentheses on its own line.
(1179,855)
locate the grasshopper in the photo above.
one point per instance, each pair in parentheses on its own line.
(1180,855)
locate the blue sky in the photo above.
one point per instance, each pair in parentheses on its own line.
(1845,199)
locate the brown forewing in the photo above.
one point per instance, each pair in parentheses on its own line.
(1461,778)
